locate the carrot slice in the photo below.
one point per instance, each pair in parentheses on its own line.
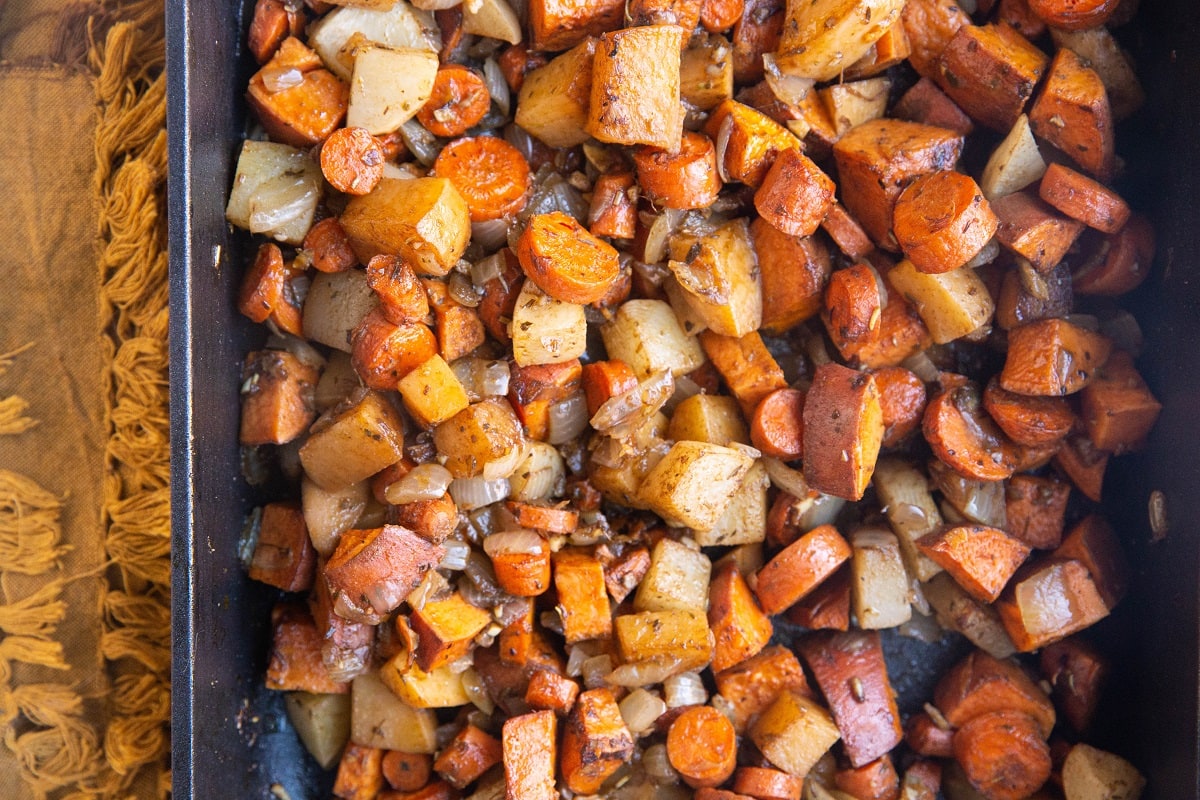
(924,737)
(491,175)
(1028,420)
(756,33)
(720,15)
(1074,15)
(777,427)
(1121,263)
(468,755)
(826,607)
(876,780)
(846,233)
(273,22)
(981,684)
(902,400)
(352,160)
(384,352)
(551,692)
(854,305)
(1084,199)
(604,380)
(702,746)
(541,517)
(685,179)
(765,783)
(459,100)
(406,772)
(800,567)
(1003,755)
(516,61)
(266,291)
(328,246)
(565,260)
(843,430)
(942,221)
(795,194)
(613,211)
(964,438)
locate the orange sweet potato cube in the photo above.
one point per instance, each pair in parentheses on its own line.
(295,664)
(990,71)
(754,684)
(445,630)
(359,773)
(595,742)
(284,556)
(548,690)
(277,397)
(1092,543)
(1052,357)
(980,558)
(469,754)
(1117,406)
(1073,114)
(746,365)
(530,754)
(1034,509)
(753,140)
(740,628)
(1033,230)
(794,273)
(582,596)
(877,159)
(305,114)
(562,24)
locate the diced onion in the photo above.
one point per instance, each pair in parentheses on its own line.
(643,673)
(423,482)
(298,347)
(786,478)
(276,79)
(979,501)
(279,201)
(986,255)
(519,542)
(456,554)
(463,291)
(435,5)
(491,235)
(639,710)
(493,78)
(551,621)
(503,466)
(472,493)
(420,142)
(662,227)
(476,690)
(684,689)
(620,415)
(658,765)
(539,475)
(922,366)
(575,659)
(595,670)
(1122,327)
(722,145)
(789,89)
(820,510)
(567,419)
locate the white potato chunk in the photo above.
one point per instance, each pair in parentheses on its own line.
(381,719)
(879,588)
(794,732)
(958,611)
(322,721)
(694,483)
(856,102)
(1092,774)
(910,508)
(1015,163)
(823,37)
(388,87)
(745,518)
(952,304)
(677,579)
(647,336)
(400,26)
(492,18)
(719,277)
(330,513)
(335,304)
(545,330)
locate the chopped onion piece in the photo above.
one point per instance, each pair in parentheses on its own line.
(788,89)
(820,510)
(505,465)
(567,419)
(455,557)
(921,627)
(420,142)
(622,414)
(979,501)
(279,201)
(662,227)
(277,79)
(518,542)
(491,235)
(298,347)
(922,366)
(786,478)
(472,493)
(639,710)
(722,145)
(476,690)
(643,673)
(493,78)
(684,689)
(423,482)
(489,268)
(539,475)
(595,670)
(1122,327)
(658,765)
(435,5)
(986,255)
(575,659)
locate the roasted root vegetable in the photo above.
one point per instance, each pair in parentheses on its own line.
(588,323)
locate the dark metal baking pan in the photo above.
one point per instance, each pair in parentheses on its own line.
(230,735)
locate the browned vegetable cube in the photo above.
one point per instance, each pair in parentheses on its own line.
(445,630)
(595,742)
(277,397)
(296,664)
(284,556)
(991,71)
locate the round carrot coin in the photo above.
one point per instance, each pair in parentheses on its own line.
(1074,15)
(565,260)
(942,220)
(352,160)
(491,175)
(459,100)
(702,746)
(687,179)
(777,427)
